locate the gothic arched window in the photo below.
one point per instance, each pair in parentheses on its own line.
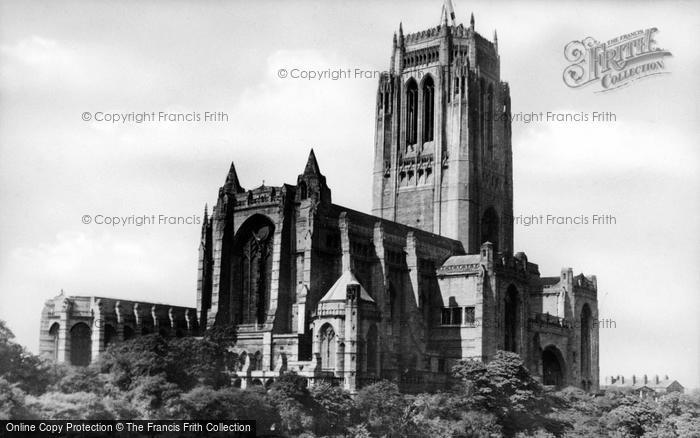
(252,271)
(258,361)
(489,227)
(428,108)
(242,359)
(586,318)
(489,120)
(328,347)
(411,112)
(53,332)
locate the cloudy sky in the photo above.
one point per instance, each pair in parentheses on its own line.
(61,59)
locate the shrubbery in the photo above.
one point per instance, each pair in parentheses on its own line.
(154,378)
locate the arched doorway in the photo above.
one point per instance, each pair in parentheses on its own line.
(552,367)
(80,344)
(511,305)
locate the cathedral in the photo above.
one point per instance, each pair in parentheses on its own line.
(428,279)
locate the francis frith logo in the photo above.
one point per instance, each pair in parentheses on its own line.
(615,63)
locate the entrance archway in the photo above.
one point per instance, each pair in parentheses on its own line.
(80,345)
(552,367)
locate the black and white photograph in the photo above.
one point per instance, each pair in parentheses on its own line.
(356,219)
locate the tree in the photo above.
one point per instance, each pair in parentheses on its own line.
(385,409)
(186,362)
(445,414)
(297,409)
(336,404)
(632,419)
(13,402)
(76,406)
(206,403)
(29,372)
(505,388)
(192,361)
(71,379)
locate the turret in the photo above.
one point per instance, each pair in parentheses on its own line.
(312,184)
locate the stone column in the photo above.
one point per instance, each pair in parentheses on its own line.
(63,353)
(351,337)
(267,351)
(118,311)
(97,329)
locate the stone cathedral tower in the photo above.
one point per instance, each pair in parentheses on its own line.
(443,157)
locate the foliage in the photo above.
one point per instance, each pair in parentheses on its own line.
(207,403)
(337,405)
(632,419)
(75,406)
(69,379)
(155,378)
(30,373)
(505,388)
(186,362)
(13,402)
(384,409)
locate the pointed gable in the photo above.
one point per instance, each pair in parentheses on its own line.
(337,292)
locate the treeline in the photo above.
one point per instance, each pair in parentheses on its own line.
(155,378)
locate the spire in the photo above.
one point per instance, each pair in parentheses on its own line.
(401,34)
(394,40)
(312,165)
(495,40)
(311,183)
(232,184)
(205,221)
(471,22)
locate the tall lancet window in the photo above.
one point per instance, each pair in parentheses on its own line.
(328,347)
(489,120)
(411,112)
(252,271)
(586,350)
(428,109)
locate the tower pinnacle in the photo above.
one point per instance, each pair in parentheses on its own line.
(232,185)
(312,165)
